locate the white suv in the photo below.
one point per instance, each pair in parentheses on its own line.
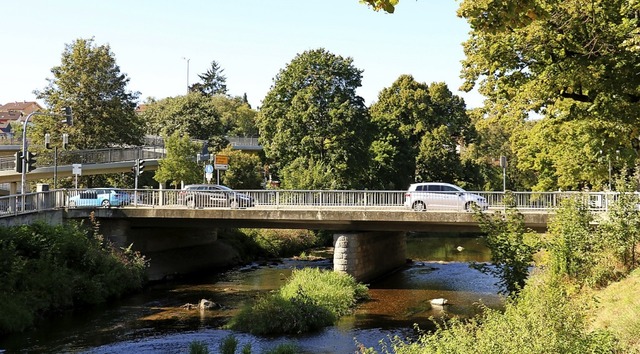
(439,196)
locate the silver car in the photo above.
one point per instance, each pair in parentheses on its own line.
(213,195)
(441,196)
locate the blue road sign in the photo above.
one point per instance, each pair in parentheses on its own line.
(208,168)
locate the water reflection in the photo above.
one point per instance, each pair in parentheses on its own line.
(154,321)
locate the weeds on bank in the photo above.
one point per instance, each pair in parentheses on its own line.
(550,314)
(271,243)
(47,268)
(229,345)
(311,299)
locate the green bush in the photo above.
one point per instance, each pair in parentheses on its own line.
(512,246)
(47,268)
(337,292)
(591,254)
(311,299)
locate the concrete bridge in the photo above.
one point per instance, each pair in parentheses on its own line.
(369,226)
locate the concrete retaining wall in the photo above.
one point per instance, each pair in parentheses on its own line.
(51,217)
(368,255)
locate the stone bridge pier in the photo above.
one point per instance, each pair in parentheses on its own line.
(368,255)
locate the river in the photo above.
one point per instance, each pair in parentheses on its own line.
(155,322)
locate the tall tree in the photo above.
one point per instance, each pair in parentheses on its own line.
(213,81)
(312,112)
(180,165)
(437,158)
(90,82)
(245,170)
(194,115)
(404,114)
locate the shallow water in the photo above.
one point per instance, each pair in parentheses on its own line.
(154,321)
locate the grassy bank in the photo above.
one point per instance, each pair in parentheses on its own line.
(617,309)
(47,268)
(311,299)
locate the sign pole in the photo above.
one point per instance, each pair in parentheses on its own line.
(221,162)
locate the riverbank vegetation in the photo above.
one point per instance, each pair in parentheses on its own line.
(46,268)
(580,297)
(272,243)
(310,300)
(229,345)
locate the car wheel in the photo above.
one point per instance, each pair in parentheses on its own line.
(470,206)
(419,206)
(191,203)
(106,204)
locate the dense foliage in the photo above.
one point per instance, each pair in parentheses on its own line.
(418,130)
(595,255)
(386,5)
(236,115)
(180,163)
(312,119)
(512,246)
(50,268)
(194,115)
(90,82)
(245,170)
(572,63)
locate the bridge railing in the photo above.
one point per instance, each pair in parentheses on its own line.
(13,205)
(292,199)
(324,199)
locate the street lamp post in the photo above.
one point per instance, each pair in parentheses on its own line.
(23,178)
(187,59)
(47,144)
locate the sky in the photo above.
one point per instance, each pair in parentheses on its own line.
(161,45)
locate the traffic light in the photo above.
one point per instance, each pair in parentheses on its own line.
(18,156)
(140,166)
(68,116)
(31,161)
